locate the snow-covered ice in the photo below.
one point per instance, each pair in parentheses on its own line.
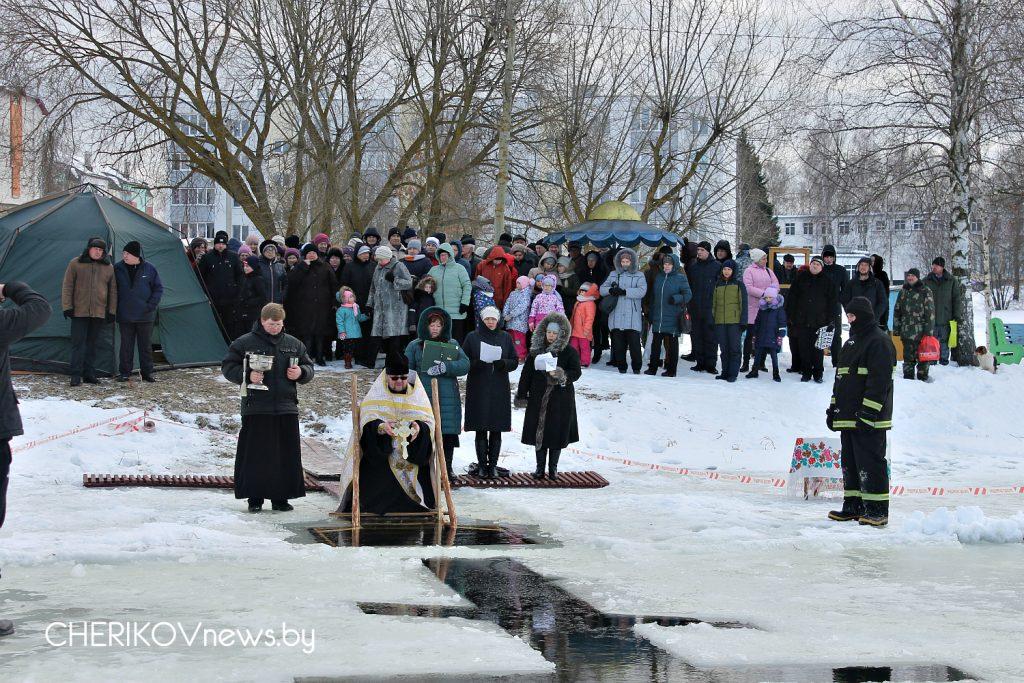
(943,584)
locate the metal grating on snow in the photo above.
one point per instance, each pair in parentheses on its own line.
(520,480)
(182,481)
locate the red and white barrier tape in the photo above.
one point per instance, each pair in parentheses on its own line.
(782,482)
(77,430)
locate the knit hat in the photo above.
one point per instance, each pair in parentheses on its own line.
(565,261)
(293,241)
(517,248)
(705,245)
(371,232)
(414,244)
(829,250)
(362,250)
(244,250)
(483,283)
(292,251)
(861,307)
(729,263)
(394,231)
(771,292)
(939,261)
(818,260)
(756,255)
(440,237)
(433,240)
(913,271)
(277,239)
(253,262)
(549,280)
(321,237)
(221,237)
(307,248)
(348,251)
(383,254)
(409,233)
(133,248)
(490,312)
(523,282)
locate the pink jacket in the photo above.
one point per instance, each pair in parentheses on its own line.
(544,304)
(757,279)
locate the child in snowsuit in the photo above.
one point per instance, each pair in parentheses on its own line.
(769,329)
(422,299)
(583,314)
(548,301)
(483,297)
(347,320)
(516,314)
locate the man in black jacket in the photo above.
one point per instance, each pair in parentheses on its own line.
(861,411)
(865,284)
(839,277)
(29,312)
(809,306)
(222,274)
(138,294)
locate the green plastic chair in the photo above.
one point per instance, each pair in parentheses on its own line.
(1005,351)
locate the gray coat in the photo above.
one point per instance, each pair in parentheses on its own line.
(390,312)
(627,315)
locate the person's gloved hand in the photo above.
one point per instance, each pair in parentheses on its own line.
(463,308)
(865,415)
(829,416)
(558,374)
(615,290)
(68,314)
(438,368)
(109,317)
(520,403)
(389,276)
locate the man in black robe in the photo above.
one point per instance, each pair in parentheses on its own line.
(393,478)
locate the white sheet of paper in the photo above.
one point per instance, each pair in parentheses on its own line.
(489,352)
(545,362)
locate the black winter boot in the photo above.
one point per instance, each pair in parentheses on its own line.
(255,504)
(853,508)
(776,376)
(750,375)
(541,461)
(493,450)
(481,455)
(553,463)
(908,371)
(922,373)
(281,505)
(6,627)
(876,513)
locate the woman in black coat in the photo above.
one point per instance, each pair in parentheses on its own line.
(488,393)
(548,396)
(310,302)
(268,460)
(253,295)
(358,276)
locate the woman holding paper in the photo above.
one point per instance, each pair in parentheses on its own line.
(546,391)
(492,356)
(434,354)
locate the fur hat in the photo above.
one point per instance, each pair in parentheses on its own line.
(307,248)
(97,242)
(468,239)
(334,251)
(292,241)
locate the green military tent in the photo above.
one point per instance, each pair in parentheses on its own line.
(39,240)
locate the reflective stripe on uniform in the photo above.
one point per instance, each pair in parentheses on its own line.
(874,496)
(874,405)
(844,424)
(851,494)
(881,424)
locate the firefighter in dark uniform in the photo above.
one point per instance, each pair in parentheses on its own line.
(861,411)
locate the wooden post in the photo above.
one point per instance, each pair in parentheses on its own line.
(356,456)
(446,485)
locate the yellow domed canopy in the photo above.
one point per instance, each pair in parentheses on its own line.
(613,211)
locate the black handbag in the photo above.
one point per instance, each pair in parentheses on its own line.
(608,302)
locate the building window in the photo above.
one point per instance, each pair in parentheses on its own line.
(790,228)
(179,162)
(899,224)
(976,227)
(880,225)
(844,227)
(193,230)
(808,228)
(192,196)
(240,232)
(918,223)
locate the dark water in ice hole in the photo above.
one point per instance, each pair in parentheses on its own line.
(588,645)
(392,534)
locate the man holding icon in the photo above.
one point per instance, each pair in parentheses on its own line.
(269,365)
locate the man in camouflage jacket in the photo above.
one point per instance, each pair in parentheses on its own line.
(914,317)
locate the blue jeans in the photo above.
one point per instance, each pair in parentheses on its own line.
(728,338)
(942,332)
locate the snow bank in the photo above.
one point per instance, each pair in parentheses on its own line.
(966,524)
